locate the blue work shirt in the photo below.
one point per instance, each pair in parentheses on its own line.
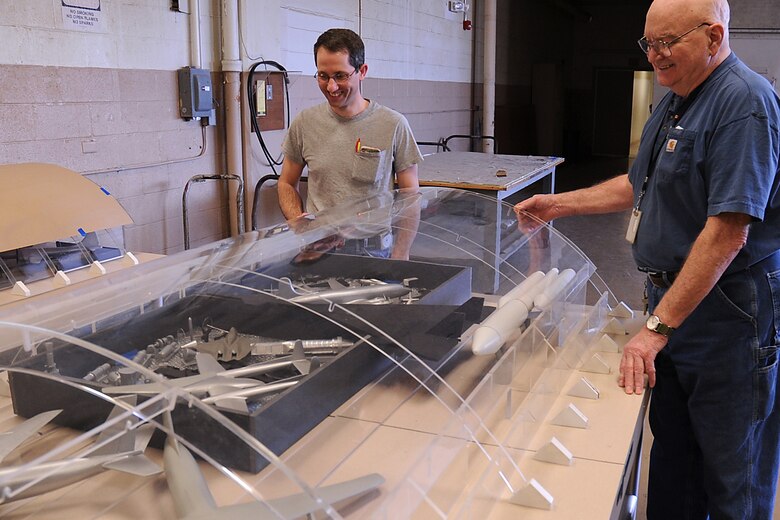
(721,156)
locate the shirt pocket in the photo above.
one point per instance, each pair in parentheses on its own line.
(674,158)
(367,169)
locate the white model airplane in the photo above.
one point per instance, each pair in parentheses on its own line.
(122,451)
(214,379)
(375,291)
(193,500)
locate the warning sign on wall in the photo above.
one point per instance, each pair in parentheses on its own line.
(82,15)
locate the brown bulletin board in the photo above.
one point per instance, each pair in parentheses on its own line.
(274,102)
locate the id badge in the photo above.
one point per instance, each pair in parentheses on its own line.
(633,225)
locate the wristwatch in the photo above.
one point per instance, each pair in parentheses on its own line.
(655,324)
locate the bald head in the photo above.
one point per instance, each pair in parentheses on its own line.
(691,11)
(697,36)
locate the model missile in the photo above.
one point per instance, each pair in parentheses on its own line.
(555,288)
(494,331)
(523,287)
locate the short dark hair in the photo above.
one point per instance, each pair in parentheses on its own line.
(338,40)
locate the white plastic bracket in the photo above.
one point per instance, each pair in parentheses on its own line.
(61,279)
(584,388)
(97,269)
(554,452)
(596,365)
(533,495)
(20,289)
(129,259)
(572,417)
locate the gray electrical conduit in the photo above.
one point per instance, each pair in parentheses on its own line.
(204,178)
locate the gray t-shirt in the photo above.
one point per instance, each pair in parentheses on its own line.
(349,158)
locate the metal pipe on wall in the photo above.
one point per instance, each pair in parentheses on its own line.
(231,70)
(195,45)
(489,77)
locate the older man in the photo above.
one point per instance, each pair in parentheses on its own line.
(705,226)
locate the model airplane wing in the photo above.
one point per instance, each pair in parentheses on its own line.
(193,500)
(13,438)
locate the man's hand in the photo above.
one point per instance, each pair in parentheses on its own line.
(316,250)
(543,207)
(639,359)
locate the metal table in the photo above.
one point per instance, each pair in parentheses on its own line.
(476,171)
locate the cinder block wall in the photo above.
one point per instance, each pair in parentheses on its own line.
(104,101)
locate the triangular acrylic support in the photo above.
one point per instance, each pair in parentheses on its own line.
(584,388)
(621,310)
(607,344)
(20,289)
(97,269)
(613,326)
(554,452)
(572,417)
(533,495)
(61,279)
(596,365)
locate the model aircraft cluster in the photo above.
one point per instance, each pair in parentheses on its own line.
(121,446)
(280,364)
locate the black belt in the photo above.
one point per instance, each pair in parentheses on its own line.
(374,242)
(661,279)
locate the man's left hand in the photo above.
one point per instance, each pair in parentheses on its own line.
(639,359)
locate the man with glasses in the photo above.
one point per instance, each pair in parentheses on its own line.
(705,226)
(353,147)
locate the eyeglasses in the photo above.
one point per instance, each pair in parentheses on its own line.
(665,48)
(339,77)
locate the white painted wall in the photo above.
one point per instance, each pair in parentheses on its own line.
(405,39)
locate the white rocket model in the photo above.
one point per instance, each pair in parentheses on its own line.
(538,290)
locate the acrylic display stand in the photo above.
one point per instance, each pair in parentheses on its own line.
(406,421)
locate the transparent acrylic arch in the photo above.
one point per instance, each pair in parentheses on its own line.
(339,347)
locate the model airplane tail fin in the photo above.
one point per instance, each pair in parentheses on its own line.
(207,364)
(191,495)
(138,464)
(286,289)
(235,404)
(117,438)
(301,504)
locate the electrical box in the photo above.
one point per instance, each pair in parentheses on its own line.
(269,92)
(195,94)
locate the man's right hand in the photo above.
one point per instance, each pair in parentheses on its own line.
(543,207)
(534,212)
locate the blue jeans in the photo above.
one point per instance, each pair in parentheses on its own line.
(715,408)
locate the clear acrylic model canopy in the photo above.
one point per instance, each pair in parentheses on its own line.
(295,370)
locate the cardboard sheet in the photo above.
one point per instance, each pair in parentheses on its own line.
(44,202)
